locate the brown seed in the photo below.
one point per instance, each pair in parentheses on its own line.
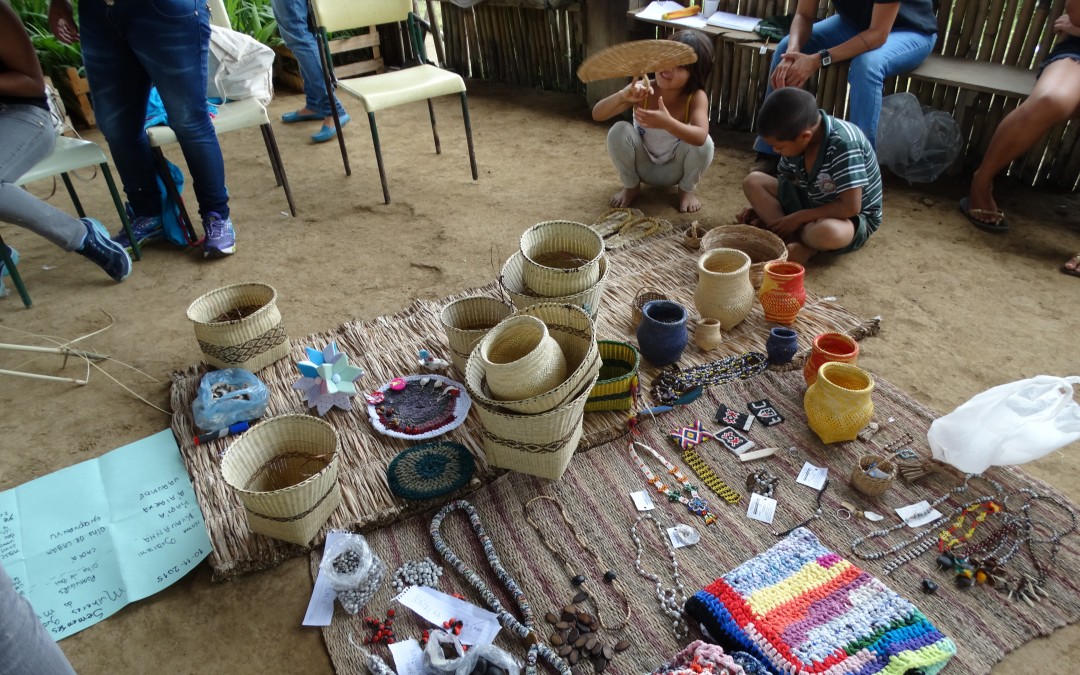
(569,609)
(577,670)
(622,645)
(572,635)
(551,617)
(562,625)
(585,618)
(590,642)
(597,649)
(581,596)
(574,656)
(565,650)
(600,664)
(556,639)
(608,652)
(569,616)
(582,628)
(580,642)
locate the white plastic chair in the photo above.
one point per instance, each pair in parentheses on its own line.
(231,116)
(384,90)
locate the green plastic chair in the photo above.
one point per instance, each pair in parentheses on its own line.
(9,265)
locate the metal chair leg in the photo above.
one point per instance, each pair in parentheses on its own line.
(120,210)
(15,278)
(270,154)
(174,194)
(279,165)
(434,129)
(378,156)
(73,195)
(325,59)
(468,133)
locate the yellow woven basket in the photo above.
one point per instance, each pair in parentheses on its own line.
(239,326)
(618,377)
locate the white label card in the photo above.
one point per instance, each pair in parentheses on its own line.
(911,514)
(320,610)
(761,508)
(642,500)
(480,626)
(408,657)
(677,540)
(813,476)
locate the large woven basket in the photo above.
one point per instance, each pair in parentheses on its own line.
(573,330)
(561,258)
(285,471)
(643,296)
(521,360)
(539,445)
(761,245)
(618,377)
(512,280)
(466,321)
(253,340)
(639,57)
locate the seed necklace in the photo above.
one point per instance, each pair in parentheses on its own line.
(524,628)
(671,599)
(578,578)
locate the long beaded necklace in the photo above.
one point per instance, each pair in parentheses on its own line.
(578,579)
(669,385)
(671,599)
(683,492)
(524,628)
(955,536)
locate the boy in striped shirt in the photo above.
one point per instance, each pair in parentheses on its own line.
(827,192)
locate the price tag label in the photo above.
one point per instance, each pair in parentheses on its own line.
(642,500)
(761,508)
(917,515)
(813,476)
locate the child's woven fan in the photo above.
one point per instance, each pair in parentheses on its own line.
(635,59)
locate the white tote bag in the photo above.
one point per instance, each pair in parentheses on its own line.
(1009,424)
(240,67)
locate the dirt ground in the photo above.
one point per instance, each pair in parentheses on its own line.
(963,310)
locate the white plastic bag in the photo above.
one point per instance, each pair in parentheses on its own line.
(353,570)
(914,141)
(239,67)
(1009,424)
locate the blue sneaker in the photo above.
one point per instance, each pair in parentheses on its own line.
(145,228)
(220,237)
(104,252)
(327,132)
(14,260)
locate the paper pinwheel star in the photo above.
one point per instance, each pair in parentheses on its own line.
(328,379)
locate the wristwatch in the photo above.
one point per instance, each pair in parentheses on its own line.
(826,58)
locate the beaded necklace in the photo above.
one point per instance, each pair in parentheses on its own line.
(669,385)
(955,536)
(685,493)
(578,578)
(671,599)
(523,629)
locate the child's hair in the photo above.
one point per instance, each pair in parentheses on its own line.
(700,69)
(786,113)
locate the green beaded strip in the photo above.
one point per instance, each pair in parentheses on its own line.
(709,478)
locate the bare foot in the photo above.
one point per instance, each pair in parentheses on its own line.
(1072,266)
(625,197)
(799,252)
(688,203)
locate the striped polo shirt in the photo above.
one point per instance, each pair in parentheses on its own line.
(845,161)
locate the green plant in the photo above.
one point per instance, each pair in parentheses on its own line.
(54,55)
(256,18)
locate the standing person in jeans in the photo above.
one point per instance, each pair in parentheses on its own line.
(129,46)
(880,39)
(292,22)
(27,137)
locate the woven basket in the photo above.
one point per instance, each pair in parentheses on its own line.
(870,486)
(467,321)
(251,342)
(643,296)
(294,501)
(539,445)
(639,57)
(520,359)
(618,377)
(761,245)
(512,280)
(550,244)
(571,327)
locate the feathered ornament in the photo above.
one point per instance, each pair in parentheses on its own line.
(328,379)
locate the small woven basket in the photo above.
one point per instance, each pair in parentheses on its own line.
(618,377)
(520,359)
(466,321)
(869,485)
(643,296)
(512,280)
(285,471)
(240,326)
(639,57)
(561,258)
(761,245)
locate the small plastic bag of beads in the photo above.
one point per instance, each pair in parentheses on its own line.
(444,655)
(353,570)
(490,660)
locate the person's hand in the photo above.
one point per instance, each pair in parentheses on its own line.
(797,69)
(788,225)
(654,119)
(62,21)
(1064,26)
(637,91)
(749,216)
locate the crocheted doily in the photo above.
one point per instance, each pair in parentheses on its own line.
(430,470)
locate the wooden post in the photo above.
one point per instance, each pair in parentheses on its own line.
(436,33)
(605,25)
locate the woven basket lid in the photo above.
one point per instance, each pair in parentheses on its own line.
(638,57)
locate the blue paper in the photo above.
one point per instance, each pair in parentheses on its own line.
(83,542)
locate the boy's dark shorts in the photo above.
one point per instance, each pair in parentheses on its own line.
(793,199)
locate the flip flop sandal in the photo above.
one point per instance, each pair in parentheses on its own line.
(1074,272)
(297,116)
(996,226)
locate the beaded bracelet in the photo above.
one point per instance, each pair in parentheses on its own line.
(709,477)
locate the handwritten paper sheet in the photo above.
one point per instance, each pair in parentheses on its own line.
(83,542)
(733,21)
(480,626)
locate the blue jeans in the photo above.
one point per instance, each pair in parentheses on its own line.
(903,51)
(292,22)
(129,46)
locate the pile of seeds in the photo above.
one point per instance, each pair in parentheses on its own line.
(576,637)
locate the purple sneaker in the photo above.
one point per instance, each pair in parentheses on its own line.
(220,237)
(145,228)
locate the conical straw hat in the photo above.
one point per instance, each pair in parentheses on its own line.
(636,58)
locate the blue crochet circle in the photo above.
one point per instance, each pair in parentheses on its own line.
(430,470)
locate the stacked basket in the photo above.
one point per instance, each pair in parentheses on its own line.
(546,356)
(559,261)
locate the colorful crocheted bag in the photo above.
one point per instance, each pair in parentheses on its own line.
(803,610)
